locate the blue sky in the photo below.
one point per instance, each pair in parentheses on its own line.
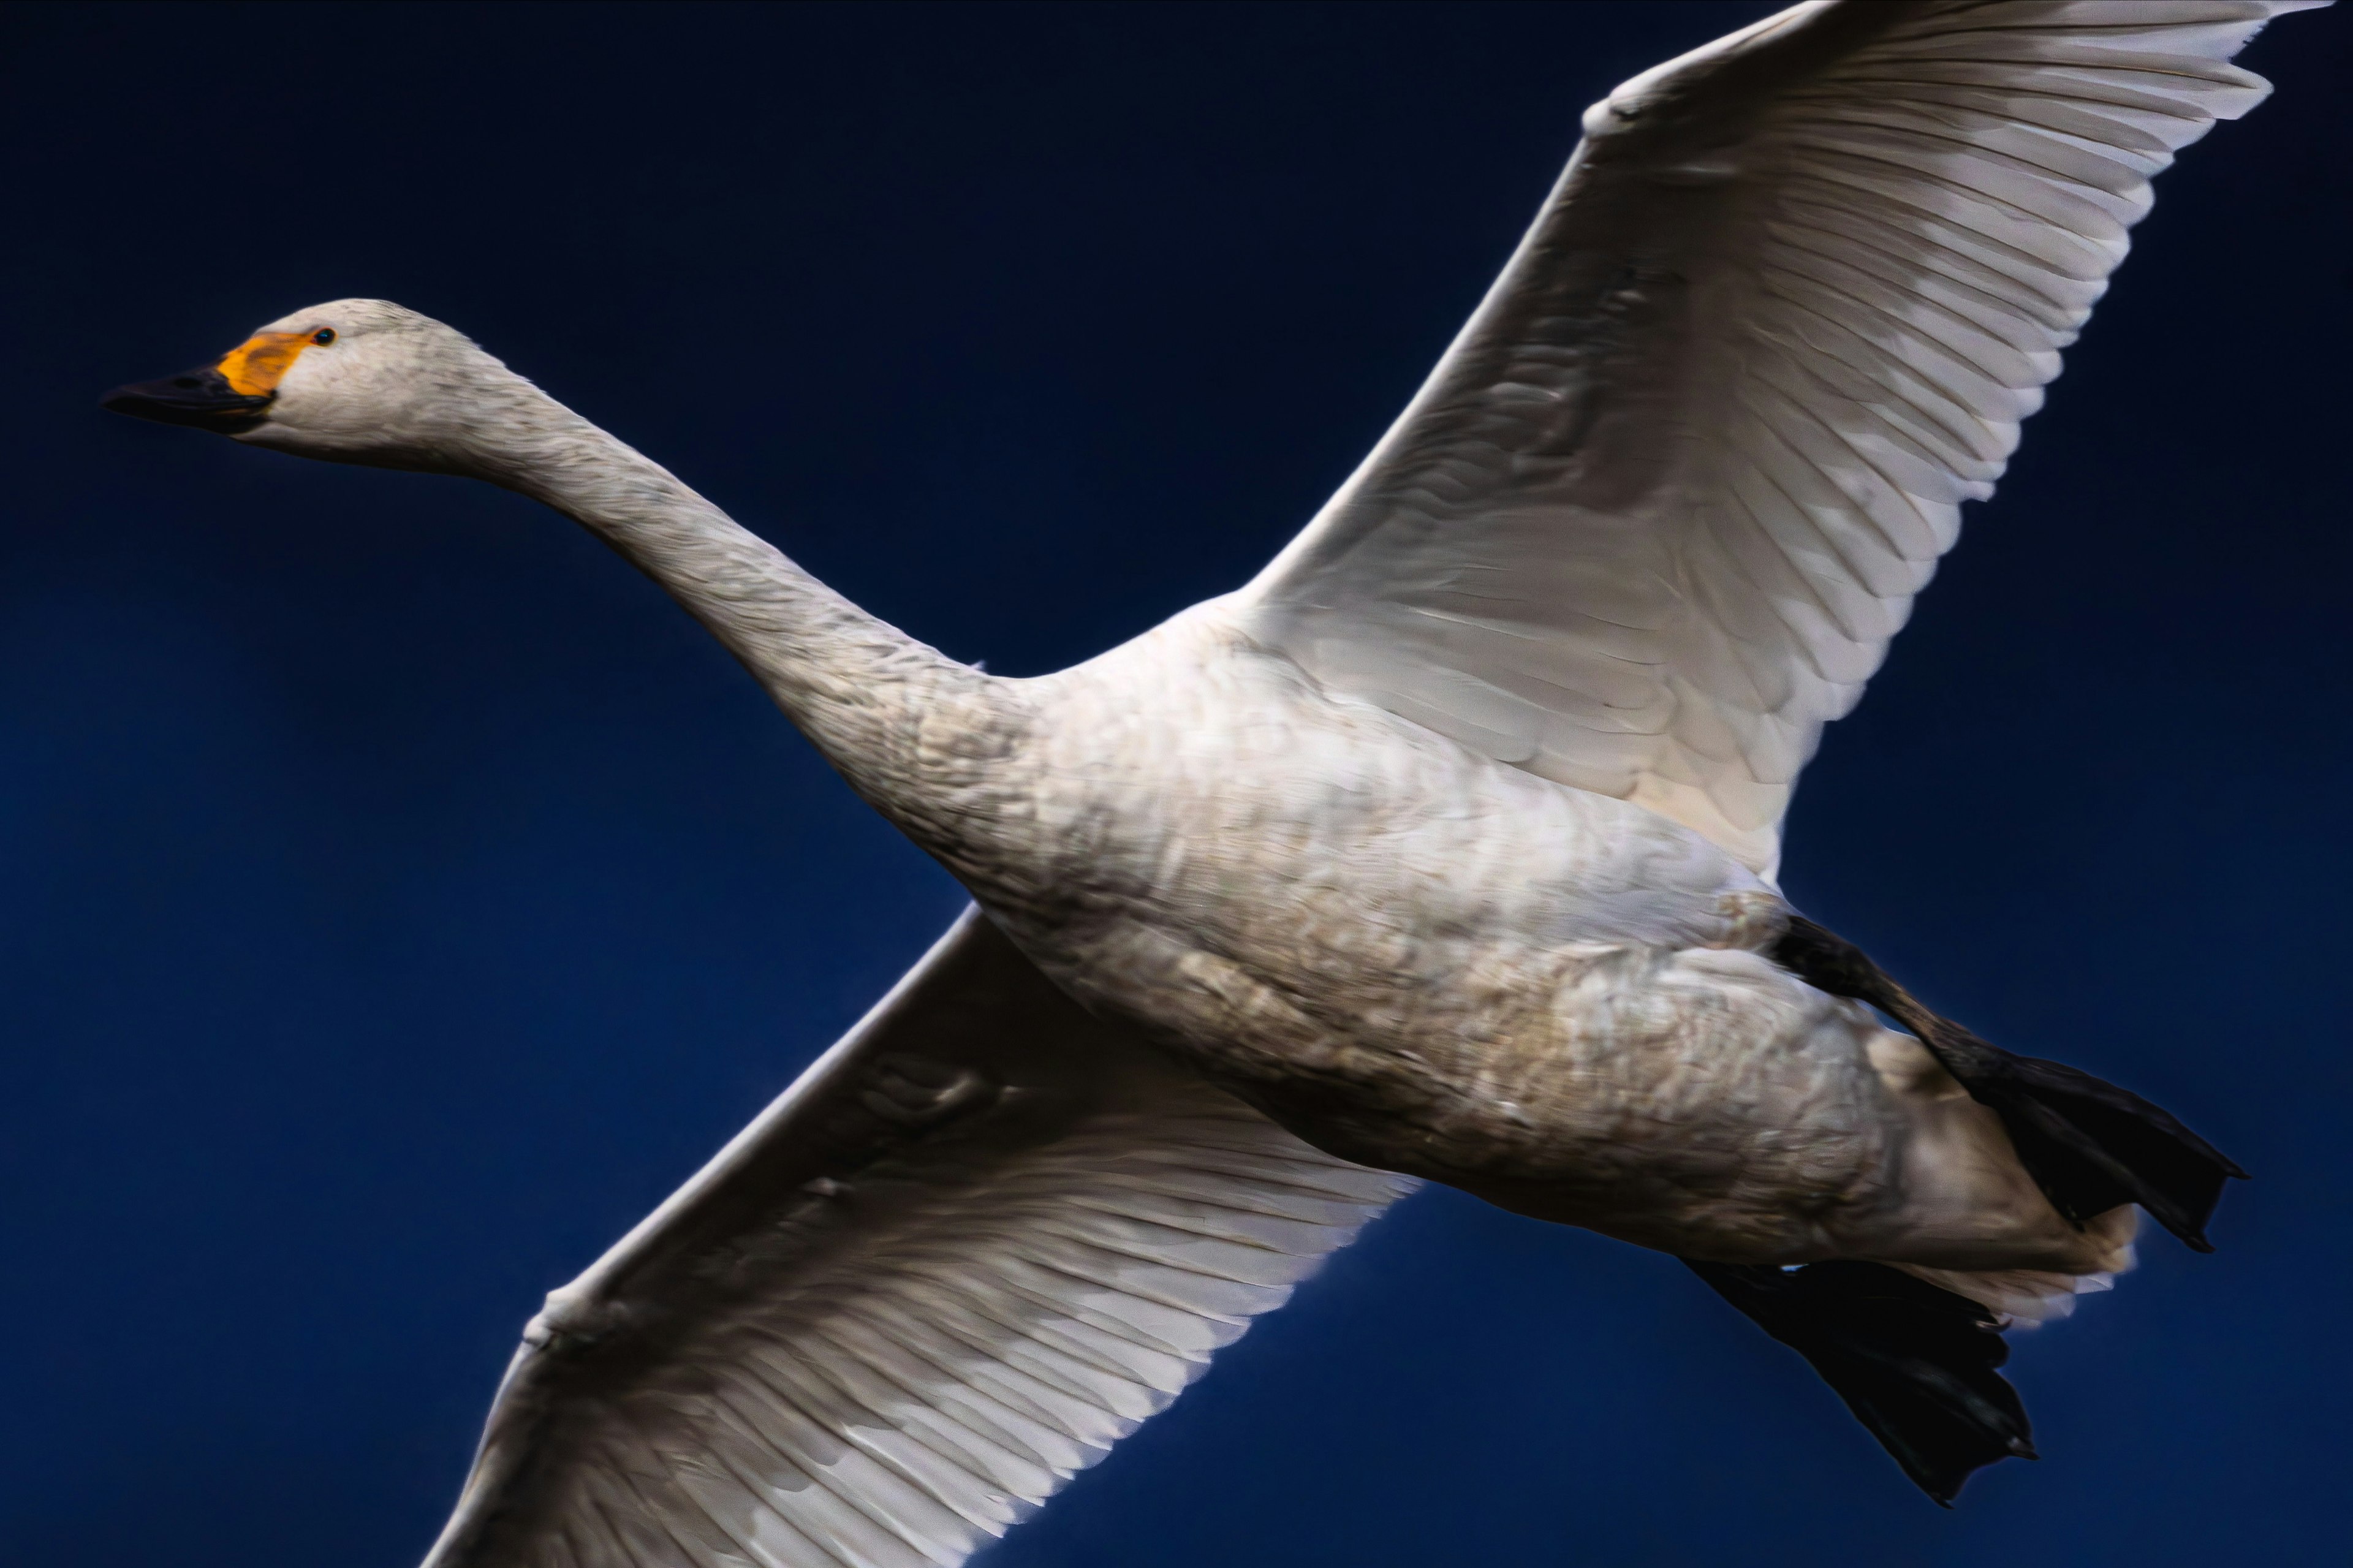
(399,895)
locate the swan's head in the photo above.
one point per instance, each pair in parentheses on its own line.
(353,381)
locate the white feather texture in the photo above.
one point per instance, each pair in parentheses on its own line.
(1653,519)
(976,1244)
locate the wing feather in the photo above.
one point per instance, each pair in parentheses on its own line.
(982,1240)
(1654,519)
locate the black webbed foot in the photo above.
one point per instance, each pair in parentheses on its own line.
(2089,1145)
(1916,1364)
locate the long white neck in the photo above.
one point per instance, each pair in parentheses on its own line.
(912,730)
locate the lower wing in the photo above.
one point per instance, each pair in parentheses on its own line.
(977,1243)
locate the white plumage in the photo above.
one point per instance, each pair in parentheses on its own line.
(975,1246)
(1656,514)
(1442,849)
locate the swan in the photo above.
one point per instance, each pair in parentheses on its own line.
(1445,849)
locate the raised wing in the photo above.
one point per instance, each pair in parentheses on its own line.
(1652,519)
(977,1243)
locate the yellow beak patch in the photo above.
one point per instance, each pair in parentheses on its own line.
(256,366)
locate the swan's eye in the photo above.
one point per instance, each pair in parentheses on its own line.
(324,336)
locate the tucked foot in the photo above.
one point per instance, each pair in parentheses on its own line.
(1916,1364)
(2089,1145)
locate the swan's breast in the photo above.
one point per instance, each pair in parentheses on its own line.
(1416,956)
(1198,776)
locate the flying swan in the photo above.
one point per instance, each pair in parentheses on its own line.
(1443,850)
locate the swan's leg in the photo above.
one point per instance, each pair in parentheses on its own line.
(2089,1145)
(1916,1364)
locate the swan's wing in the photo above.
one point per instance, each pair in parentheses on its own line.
(1653,519)
(978,1242)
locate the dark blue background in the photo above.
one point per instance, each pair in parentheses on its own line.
(401,895)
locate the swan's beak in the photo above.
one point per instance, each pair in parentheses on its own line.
(201,397)
(229,396)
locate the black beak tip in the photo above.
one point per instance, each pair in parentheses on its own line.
(201,399)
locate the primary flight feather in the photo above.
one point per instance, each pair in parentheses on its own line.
(1656,514)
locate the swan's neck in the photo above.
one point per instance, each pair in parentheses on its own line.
(903,723)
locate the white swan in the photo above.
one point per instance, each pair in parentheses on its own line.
(1445,848)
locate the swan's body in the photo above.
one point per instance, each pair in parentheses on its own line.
(1428,961)
(1445,849)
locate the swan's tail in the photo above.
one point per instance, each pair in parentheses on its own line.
(2089,1145)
